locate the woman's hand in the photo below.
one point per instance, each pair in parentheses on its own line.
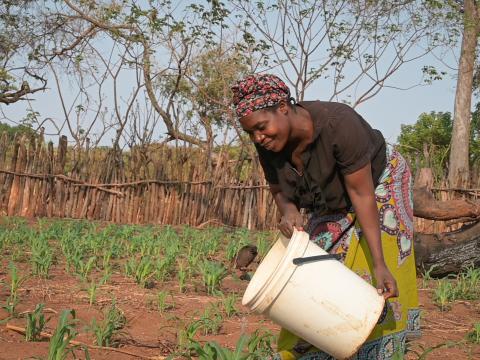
(386,284)
(290,219)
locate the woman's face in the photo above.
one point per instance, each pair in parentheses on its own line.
(269,129)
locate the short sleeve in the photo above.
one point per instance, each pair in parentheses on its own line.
(270,172)
(352,143)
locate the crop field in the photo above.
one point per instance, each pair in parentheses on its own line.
(82,289)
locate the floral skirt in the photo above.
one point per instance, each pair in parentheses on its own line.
(341,234)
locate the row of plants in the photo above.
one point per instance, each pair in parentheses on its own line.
(109,330)
(462,286)
(195,260)
(150,256)
(147,254)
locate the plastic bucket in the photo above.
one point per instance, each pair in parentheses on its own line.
(323,302)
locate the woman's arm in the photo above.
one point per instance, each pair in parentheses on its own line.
(361,191)
(291,217)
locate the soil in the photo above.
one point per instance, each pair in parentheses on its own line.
(151,334)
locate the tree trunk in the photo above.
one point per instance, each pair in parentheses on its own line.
(458,175)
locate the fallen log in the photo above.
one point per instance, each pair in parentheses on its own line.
(427,207)
(448,253)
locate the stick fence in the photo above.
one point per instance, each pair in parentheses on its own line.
(172,186)
(163,185)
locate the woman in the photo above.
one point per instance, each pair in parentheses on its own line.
(324,157)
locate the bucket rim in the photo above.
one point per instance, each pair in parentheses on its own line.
(279,276)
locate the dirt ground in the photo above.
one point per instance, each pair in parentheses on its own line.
(151,334)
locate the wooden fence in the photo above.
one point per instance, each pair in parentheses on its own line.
(172,186)
(159,185)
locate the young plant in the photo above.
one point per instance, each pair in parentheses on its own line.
(142,271)
(162,304)
(84,269)
(35,324)
(474,336)
(245,349)
(106,331)
(443,294)
(260,344)
(237,240)
(182,278)
(426,278)
(15,282)
(212,274)
(212,320)
(59,347)
(263,243)
(106,266)
(42,256)
(228,303)
(468,284)
(186,336)
(92,293)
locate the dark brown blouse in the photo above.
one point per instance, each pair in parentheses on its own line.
(343,143)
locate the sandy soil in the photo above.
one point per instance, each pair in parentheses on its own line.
(149,333)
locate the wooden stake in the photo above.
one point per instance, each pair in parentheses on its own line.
(46,335)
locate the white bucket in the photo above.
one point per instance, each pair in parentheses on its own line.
(323,302)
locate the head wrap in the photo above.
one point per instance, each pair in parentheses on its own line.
(258,91)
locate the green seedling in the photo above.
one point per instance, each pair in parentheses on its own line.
(15,282)
(59,347)
(182,278)
(236,242)
(260,344)
(474,335)
(107,274)
(162,304)
(426,278)
(212,274)
(186,336)
(165,266)
(35,324)
(42,256)
(212,350)
(84,269)
(468,284)
(423,353)
(443,294)
(263,244)
(111,327)
(141,271)
(212,320)
(245,349)
(92,292)
(228,303)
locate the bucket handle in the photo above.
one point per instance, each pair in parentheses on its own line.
(300,261)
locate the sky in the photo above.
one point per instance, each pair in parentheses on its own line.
(391,108)
(385,112)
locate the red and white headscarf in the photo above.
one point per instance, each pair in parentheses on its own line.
(258,91)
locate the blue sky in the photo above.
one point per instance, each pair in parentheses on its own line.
(386,111)
(391,108)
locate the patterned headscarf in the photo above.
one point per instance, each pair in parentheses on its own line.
(258,91)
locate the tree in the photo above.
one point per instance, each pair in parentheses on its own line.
(21,36)
(427,142)
(459,173)
(353,47)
